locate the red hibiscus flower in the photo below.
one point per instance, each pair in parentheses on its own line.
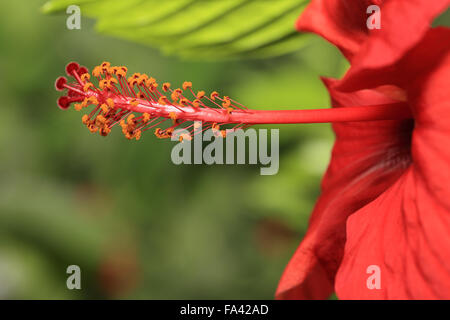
(385,200)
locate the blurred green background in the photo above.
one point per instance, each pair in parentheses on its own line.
(138,225)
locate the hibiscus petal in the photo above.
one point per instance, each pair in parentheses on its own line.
(371,162)
(342,22)
(405,230)
(405,29)
(367,158)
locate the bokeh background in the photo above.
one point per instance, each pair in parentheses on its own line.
(138,225)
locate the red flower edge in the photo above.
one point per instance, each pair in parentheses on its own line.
(372,164)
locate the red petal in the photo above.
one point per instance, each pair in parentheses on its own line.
(405,230)
(370,158)
(367,158)
(342,22)
(374,64)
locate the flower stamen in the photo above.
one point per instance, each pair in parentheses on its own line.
(137,105)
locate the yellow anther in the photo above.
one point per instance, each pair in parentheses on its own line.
(103,84)
(85,103)
(146,117)
(92,128)
(114,70)
(123,125)
(214,95)
(104,108)
(166,86)
(92,100)
(85,76)
(110,102)
(130,119)
(175,95)
(97,71)
(196,103)
(121,71)
(104,131)
(144,77)
(173,116)
(185,136)
(151,83)
(78,106)
(112,80)
(184,101)
(163,100)
(215,127)
(85,119)
(200,94)
(137,134)
(105,68)
(100,120)
(187,85)
(132,81)
(153,86)
(169,132)
(226,103)
(134,102)
(86,86)
(230,110)
(141,80)
(158,132)
(162,134)
(141,95)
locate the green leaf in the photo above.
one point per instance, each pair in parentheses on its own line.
(199,29)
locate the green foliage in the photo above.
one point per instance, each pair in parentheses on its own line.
(443,20)
(196,231)
(199,29)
